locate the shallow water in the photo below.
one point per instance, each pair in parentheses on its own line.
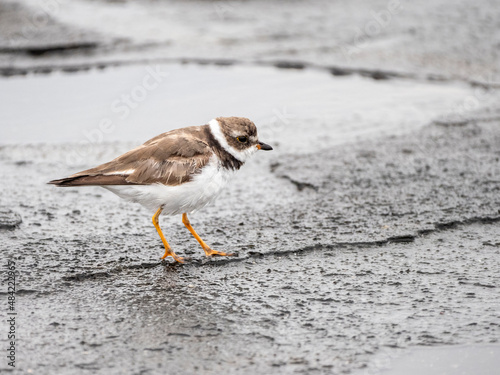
(303,109)
(481,359)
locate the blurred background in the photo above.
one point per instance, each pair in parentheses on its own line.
(371,231)
(78,63)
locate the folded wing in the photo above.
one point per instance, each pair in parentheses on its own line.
(171,158)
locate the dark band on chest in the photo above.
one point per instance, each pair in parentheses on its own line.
(227,160)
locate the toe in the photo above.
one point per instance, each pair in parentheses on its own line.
(173,255)
(179,259)
(210,252)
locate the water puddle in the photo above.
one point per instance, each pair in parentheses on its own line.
(446,360)
(301,109)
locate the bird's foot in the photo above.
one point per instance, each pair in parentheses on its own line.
(209,252)
(169,252)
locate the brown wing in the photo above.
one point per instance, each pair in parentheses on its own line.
(170,158)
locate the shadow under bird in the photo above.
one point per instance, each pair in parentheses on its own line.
(177,172)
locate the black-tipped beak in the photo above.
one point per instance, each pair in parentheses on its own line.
(264,146)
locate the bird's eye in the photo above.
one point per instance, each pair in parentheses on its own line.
(242,139)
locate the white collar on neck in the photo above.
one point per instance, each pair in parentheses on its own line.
(239,155)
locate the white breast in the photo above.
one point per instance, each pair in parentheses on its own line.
(202,190)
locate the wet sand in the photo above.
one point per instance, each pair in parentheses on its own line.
(371,231)
(385,249)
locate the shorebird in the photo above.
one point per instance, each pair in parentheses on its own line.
(177,172)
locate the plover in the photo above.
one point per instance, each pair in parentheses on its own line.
(177,172)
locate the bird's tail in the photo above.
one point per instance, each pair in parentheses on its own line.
(87,180)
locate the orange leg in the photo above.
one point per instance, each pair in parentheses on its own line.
(206,248)
(168,250)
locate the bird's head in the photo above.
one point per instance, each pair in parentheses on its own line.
(238,136)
